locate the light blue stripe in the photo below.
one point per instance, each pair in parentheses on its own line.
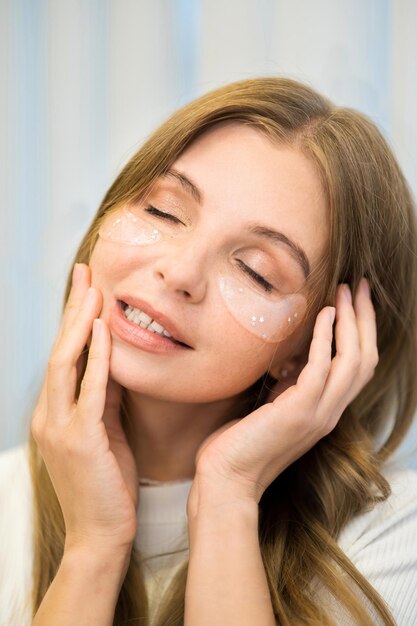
(96,83)
(268,13)
(26,221)
(187,30)
(382,54)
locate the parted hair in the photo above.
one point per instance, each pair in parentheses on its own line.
(373,234)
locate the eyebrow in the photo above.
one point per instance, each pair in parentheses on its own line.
(253,227)
(187,185)
(276,237)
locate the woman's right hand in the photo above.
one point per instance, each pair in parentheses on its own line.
(83,444)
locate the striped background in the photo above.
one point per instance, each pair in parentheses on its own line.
(84,82)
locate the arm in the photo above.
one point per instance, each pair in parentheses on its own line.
(84,590)
(226,582)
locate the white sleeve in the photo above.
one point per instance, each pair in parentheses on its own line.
(382,544)
(16,552)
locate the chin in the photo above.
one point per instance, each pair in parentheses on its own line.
(132,375)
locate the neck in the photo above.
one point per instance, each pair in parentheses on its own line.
(165,436)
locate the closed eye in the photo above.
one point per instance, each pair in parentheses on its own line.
(161,214)
(259,279)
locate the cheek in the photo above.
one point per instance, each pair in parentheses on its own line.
(235,356)
(110,264)
(232,343)
(112,261)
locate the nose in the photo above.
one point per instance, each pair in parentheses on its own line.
(182,267)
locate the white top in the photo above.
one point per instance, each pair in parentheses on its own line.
(381,543)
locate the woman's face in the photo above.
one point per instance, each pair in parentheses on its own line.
(242,178)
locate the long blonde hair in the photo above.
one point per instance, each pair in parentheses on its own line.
(372,234)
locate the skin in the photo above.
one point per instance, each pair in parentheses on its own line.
(178,429)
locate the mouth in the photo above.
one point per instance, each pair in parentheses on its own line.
(148,320)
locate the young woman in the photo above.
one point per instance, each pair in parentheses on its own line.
(235,366)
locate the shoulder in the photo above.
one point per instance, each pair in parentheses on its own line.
(14,463)
(15,482)
(396,516)
(15,534)
(382,544)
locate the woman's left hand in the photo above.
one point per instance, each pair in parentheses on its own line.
(244,456)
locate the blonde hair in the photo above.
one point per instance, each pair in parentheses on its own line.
(372,234)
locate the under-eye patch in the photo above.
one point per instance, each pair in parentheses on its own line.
(126,227)
(271,319)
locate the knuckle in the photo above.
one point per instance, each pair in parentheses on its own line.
(94,355)
(370,366)
(321,372)
(318,426)
(72,305)
(330,426)
(374,359)
(56,362)
(36,428)
(89,385)
(369,375)
(321,365)
(43,437)
(355,361)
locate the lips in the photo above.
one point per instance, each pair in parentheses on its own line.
(159,317)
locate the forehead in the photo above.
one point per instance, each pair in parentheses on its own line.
(244,176)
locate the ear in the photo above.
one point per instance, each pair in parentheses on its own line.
(289,369)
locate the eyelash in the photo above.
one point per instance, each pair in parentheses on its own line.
(259,279)
(154,211)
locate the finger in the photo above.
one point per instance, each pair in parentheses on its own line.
(92,398)
(313,376)
(346,364)
(278,388)
(62,366)
(81,279)
(366,322)
(111,414)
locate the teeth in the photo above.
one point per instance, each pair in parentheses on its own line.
(157,327)
(145,321)
(144,318)
(130,314)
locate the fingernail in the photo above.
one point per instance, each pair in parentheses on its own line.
(77,274)
(332,314)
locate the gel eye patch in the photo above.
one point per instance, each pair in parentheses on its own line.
(270,320)
(125,227)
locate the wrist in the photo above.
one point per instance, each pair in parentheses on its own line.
(98,545)
(214,496)
(218,518)
(98,557)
